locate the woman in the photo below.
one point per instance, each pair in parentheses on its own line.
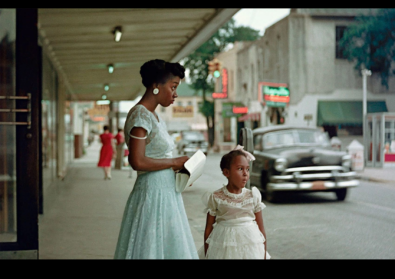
(106,152)
(154,224)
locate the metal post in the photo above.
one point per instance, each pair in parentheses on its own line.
(365,73)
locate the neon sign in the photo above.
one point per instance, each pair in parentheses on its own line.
(224,82)
(238,110)
(273,94)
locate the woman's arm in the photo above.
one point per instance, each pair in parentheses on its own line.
(210,220)
(139,162)
(259,221)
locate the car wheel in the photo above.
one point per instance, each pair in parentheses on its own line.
(341,194)
(269,196)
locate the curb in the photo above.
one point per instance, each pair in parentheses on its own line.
(367,178)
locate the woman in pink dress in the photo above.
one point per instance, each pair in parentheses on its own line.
(106,152)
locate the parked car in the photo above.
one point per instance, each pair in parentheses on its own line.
(299,159)
(191,141)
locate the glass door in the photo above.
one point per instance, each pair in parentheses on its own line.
(19,118)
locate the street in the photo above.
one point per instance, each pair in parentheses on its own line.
(314,225)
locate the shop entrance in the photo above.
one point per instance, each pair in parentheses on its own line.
(379,140)
(19,134)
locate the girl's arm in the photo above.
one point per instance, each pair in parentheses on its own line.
(259,221)
(139,162)
(210,220)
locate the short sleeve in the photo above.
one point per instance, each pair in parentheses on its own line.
(139,117)
(257,198)
(209,203)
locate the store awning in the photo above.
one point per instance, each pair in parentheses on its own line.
(256,116)
(345,112)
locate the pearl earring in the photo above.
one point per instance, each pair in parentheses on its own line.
(156,91)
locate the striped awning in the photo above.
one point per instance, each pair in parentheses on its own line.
(255,116)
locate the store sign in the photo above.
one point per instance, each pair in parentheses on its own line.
(233,109)
(273,94)
(181,111)
(219,95)
(224,84)
(238,110)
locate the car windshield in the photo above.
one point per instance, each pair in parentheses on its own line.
(295,137)
(193,136)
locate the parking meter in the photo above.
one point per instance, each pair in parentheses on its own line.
(246,140)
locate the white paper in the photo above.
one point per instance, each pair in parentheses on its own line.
(195,167)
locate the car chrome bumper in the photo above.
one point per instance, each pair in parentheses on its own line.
(315,176)
(312,185)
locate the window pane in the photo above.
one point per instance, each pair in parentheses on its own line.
(7,132)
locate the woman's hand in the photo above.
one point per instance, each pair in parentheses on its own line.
(178,162)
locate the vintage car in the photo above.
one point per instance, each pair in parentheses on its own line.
(299,159)
(191,141)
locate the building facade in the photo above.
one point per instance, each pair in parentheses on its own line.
(301,53)
(226,125)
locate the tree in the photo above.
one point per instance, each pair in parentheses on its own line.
(197,64)
(370,43)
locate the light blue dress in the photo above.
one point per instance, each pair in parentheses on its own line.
(154,224)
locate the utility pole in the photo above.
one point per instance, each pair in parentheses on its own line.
(365,73)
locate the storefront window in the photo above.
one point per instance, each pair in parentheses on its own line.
(8,227)
(389,139)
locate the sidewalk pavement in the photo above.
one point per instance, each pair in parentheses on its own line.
(83,213)
(381,175)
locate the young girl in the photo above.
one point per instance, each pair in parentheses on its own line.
(234,225)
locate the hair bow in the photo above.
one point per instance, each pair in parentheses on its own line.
(249,156)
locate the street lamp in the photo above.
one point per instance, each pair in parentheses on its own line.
(365,73)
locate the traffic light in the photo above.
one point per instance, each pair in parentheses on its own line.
(214,67)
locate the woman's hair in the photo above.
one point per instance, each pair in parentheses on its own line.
(105,128)
(159,71)
(227,159)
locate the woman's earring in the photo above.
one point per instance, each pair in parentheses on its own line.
(156,91)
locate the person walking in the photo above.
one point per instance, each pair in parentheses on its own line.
(106,152)
(234,224)
(120,138)
(154,223)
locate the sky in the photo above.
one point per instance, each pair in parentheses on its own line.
(260,18)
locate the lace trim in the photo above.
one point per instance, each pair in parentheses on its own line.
(236,200)
(232,195)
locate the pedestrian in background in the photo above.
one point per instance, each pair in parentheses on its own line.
(234,224)
(119,149)
(154,223)
(106,152)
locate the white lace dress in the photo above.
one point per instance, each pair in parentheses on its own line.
(236,234)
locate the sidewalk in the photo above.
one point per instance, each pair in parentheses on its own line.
(83,213)
(381,175)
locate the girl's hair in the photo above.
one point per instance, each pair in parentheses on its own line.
(227,159)
(159,71)
(105,128)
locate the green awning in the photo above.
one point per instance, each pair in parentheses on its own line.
(345,112)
